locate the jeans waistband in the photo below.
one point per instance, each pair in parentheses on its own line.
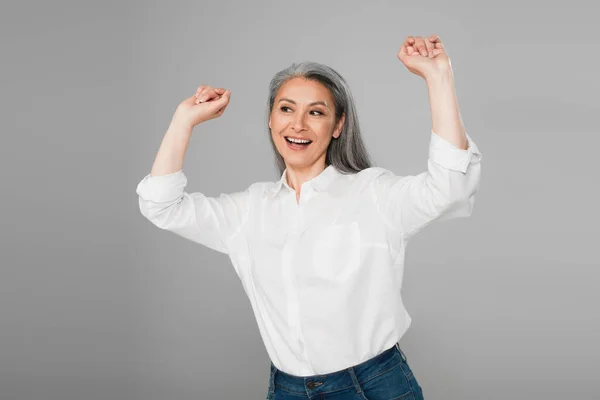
(339,380)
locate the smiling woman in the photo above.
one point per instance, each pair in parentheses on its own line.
(320,252)
(302,124)
(312,123)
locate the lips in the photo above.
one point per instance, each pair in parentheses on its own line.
(297,146)
(297,138)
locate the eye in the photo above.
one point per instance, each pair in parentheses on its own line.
(284,108)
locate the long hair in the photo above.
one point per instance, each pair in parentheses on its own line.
(348,152)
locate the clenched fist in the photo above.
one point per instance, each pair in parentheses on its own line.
(207,103)
(424,56)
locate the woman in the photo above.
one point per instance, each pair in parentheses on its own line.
(320,252)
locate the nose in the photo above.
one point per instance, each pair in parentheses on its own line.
(299,124)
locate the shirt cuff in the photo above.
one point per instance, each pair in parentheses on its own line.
(162,188)
(445,153)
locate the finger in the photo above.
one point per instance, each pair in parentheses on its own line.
(410,48)
(420,46)
(212,94)
(199,92)
(199,89)
(208,96)
(204,94)
(222,102)
(437,42)
(429,47)
(408,43)
(403,50)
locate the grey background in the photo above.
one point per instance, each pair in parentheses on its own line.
(96,303)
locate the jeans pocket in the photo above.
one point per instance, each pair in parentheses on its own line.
(392,384)
(412,380)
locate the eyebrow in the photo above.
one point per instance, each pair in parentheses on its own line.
(311,104)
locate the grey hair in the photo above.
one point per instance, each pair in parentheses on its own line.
(347,153)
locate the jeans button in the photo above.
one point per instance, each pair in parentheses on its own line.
(310,385)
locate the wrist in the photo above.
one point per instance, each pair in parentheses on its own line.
(180,124)
(439,77)
(180,128)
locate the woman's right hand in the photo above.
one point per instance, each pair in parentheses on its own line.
(207,103)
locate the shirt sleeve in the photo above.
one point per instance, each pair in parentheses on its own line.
(210,221)
(445,191)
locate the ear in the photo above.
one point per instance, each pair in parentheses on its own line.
(338,128)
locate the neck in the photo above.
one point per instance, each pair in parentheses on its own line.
(297,175)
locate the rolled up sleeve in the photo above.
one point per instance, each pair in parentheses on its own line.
(210,221)
(445,191)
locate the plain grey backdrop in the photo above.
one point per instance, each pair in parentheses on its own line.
(96,303)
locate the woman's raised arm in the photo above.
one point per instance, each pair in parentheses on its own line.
(447,189)
(210,221)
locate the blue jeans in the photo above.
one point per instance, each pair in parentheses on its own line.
(386,376)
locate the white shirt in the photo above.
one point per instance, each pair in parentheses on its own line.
(323,275)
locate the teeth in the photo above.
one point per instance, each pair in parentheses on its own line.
(297,140)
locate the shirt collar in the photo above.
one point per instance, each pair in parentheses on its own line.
(319,183)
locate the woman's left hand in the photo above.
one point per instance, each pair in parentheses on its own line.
(424,56)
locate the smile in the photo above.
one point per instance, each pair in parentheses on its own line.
(297,144)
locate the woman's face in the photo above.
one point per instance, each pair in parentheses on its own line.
(303,110)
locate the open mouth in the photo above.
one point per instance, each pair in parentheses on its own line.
(297,143)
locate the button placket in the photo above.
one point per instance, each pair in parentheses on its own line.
(289,276)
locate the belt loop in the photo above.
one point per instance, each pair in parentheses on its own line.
(355,380)
(401,352)
(272,381)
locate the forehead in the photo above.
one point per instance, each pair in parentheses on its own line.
(304,91)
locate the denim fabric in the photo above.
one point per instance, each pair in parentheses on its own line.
(386,376)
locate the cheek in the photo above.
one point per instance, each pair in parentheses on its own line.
(276,138)
(277,124)
(323,130)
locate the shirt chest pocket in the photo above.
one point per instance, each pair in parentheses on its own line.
(336,251)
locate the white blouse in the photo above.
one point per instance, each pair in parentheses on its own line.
(323,275)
